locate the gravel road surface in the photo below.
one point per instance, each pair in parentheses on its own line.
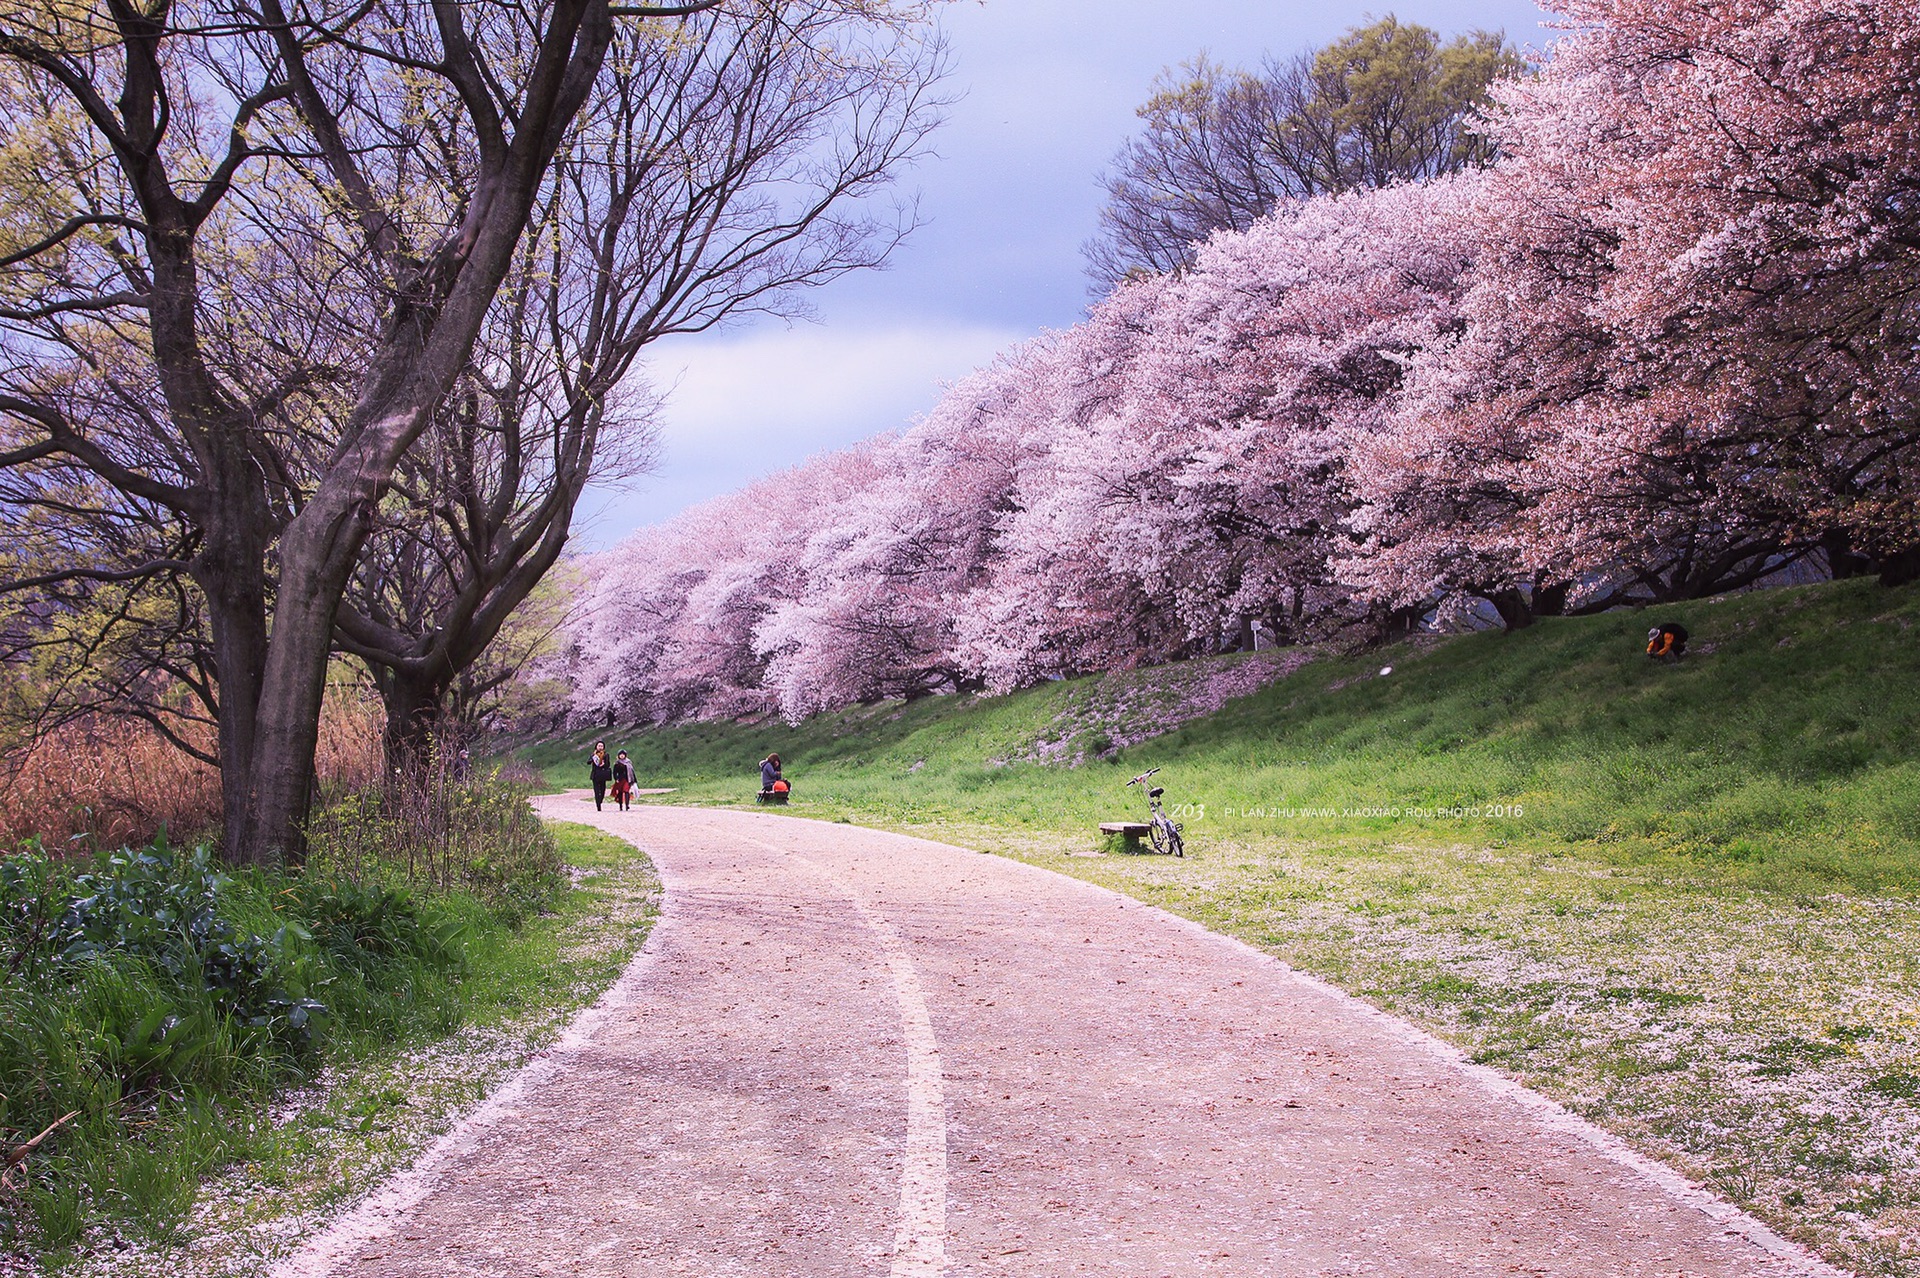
(845,1052)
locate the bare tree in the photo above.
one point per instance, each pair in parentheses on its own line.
(1222,148)
(713,175)
(268,241)
(1204,162)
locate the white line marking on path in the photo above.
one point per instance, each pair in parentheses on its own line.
(920,1244)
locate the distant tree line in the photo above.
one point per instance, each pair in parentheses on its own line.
(1666,344)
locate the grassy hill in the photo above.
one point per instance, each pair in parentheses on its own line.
(1683,900)
(1784,751)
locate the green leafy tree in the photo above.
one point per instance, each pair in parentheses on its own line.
(1221,148)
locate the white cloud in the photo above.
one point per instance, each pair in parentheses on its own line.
(739,407)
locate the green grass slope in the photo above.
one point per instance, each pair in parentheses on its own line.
(1783,752)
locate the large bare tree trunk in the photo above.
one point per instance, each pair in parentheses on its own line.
(431,337)
(416,717)
(287,732)
(237,610)
(320,545)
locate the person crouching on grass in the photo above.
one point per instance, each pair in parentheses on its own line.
(623,781)
(601,771)
(1667,642)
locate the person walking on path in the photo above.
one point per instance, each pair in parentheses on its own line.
(623,781)
(602,772)
(769,772)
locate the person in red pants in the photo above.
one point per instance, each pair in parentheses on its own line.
(623,780)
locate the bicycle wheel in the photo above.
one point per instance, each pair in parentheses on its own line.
(1158,830)
(1179,844)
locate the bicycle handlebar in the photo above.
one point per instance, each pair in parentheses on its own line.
(1143,776)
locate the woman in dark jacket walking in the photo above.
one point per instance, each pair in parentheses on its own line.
(601,770)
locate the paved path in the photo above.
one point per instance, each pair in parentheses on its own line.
(852,1053)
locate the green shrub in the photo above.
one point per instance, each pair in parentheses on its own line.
(164,908)
(133,976)
(158,998)
(150,992)
(362,924)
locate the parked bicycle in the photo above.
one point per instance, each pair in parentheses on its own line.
(1162,829)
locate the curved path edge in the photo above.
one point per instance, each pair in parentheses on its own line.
(376,1215)
(1551,1113)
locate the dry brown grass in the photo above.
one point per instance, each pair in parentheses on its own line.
(104,782)
(115,782)
(350,756)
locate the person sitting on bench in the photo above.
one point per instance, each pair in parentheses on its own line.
(1667,642)
(769,773)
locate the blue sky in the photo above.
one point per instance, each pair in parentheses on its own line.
(1048,91)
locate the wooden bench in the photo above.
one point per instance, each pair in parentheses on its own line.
(1131,831)
(773,796)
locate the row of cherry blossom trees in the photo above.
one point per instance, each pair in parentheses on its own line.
(1668,345)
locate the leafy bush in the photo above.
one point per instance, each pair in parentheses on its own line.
(135,973)
(149,992)
(359,924)
(164,908)
(151,995)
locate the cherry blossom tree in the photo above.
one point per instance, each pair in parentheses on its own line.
(1154,482)
(1281,349)
(667,629)
(884,578)
(1192,488)
(1688,351)
(1050,603)
(1771,277)
(1664,347)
